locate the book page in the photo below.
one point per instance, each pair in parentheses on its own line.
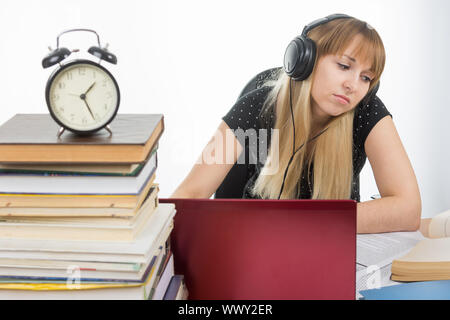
(440,225)
(429,250)
(374,256)
(381,248)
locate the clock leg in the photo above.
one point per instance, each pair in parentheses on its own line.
(109,129)
(60,132)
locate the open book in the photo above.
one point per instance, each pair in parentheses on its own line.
(430,258)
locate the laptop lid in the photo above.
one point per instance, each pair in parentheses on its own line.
(265,249)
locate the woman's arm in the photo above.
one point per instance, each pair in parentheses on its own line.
(399,208)
(213,165)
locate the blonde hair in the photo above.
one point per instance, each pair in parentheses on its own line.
(331,152)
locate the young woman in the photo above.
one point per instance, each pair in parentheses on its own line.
(326,121)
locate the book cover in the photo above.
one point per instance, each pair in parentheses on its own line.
(32,138)
(174,287)
(429,290)
(164,281)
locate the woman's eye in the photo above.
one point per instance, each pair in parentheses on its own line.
(366,79)
(343,66)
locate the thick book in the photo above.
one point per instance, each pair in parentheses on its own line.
(58,270)
(72,289)
(79,216)
(37,204)
(98,169)
(32,138)
(429,290)
(158,226)
(53,269)
(74,169)
(430,258)
(107,229)
(77,184)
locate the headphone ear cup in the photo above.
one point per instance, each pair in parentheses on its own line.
(299,58)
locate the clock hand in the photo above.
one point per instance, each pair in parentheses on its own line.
(83,97)
(89,88)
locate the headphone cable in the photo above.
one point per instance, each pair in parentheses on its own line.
(293,144)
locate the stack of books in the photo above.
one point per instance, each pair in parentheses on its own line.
(79,215)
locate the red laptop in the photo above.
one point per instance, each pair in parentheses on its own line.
(265,249)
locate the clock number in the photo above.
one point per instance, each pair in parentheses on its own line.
(69,76)
(82,71)
(106,106)
(61,85)
(55,97)
(94,74)
(105,81)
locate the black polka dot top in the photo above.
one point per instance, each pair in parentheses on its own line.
(247,114)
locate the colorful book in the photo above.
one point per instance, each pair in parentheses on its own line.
(85,289)
(39,275)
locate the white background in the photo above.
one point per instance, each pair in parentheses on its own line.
(190,59)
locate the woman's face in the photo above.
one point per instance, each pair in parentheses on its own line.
(339,84)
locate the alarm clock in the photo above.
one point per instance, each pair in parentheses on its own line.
(82,96)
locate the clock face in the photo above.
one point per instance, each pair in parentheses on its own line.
(82,96)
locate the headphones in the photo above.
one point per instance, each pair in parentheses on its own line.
(300,54)
(59,54)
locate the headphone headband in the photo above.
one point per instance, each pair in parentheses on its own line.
(324,20)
